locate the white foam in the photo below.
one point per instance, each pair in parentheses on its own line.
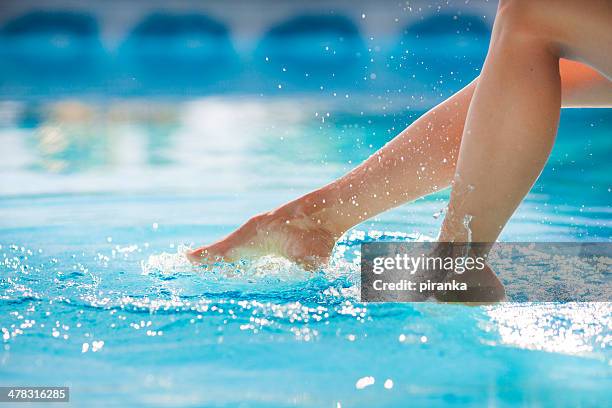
(343,263)
(168,263)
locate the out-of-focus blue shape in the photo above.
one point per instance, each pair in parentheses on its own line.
(311,50)
(419,53)
(444,24)
(44,45)
(189,50)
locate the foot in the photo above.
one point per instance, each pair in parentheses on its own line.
(299,239)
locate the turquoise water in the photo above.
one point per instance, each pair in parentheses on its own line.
(98,198)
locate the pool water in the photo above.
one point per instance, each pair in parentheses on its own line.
(99,197)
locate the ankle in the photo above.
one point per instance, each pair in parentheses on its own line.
(311,211)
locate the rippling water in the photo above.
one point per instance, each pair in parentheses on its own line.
(100,199)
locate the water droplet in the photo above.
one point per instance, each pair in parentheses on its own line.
(97,345)
(364,382)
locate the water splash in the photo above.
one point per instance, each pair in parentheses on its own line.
(439,213)
(269,294)
(344,261)
(168,264)
(467,219)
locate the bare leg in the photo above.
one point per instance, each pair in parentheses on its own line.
(420,160)
(513,117)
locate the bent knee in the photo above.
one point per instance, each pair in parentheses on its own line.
(524,19)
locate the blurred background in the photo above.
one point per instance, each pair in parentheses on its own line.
(132,48)
(264,98)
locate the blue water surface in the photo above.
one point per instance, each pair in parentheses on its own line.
(98,199)
(125,139)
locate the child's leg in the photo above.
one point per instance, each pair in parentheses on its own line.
(513,116)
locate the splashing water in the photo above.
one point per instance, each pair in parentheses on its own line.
(105,305)
(168,264)
(130,322)
(467,219)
